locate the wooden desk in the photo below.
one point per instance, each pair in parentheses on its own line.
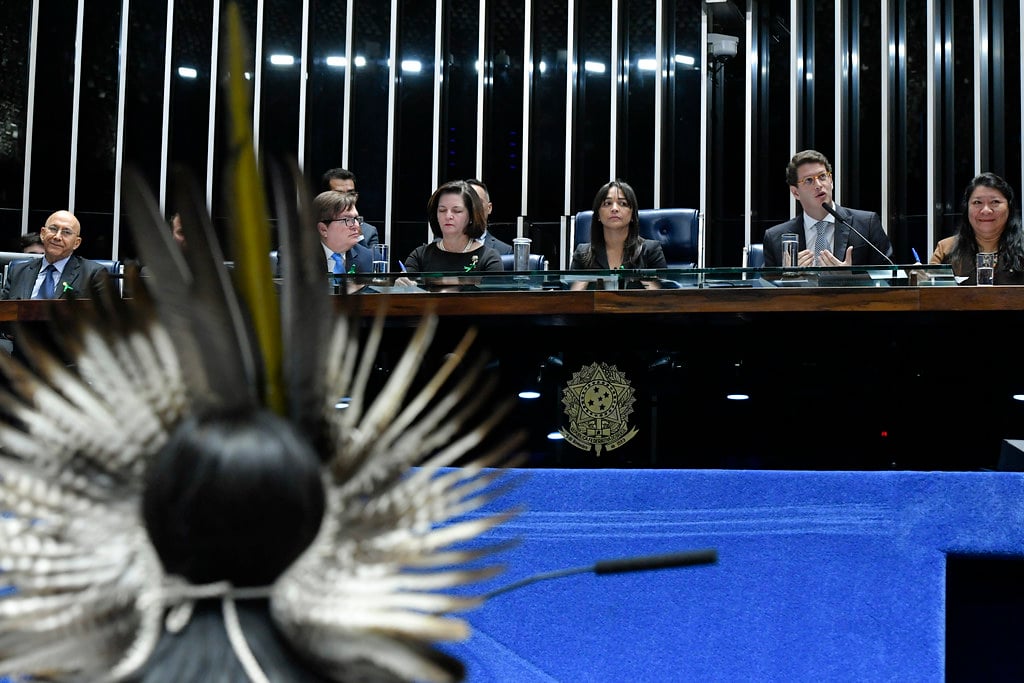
(566,304)
(853,378)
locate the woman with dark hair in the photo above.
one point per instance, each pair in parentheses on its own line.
(990,223)
(615,240)
(457,218)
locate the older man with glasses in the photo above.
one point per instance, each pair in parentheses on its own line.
(344,180)
(340,228)
(830,235)
(60,273)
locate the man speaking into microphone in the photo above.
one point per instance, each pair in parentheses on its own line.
(830,235)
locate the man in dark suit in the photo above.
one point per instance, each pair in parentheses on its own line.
(487,238)
(56,275)
(338,223)
(823,240)
(344,180)
(59,273)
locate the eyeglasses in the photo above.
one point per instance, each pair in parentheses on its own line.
(347,220)
(53,230)
(822,178)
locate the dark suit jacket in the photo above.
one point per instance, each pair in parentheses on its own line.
(370,236)
(496,244)
(362,257)
(868,223)
(651,256)
(77,277)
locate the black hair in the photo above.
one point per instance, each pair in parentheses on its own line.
(1010,258)
(233,497)
(632,248)
(336,174)
(479,183)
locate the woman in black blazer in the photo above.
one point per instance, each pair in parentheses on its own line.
(615,240)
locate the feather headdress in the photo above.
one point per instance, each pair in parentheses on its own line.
(84,594)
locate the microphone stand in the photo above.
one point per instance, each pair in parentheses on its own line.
(847,223)
(619,566)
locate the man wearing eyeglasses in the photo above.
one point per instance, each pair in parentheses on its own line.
(824,241)
(340,228)
(344,180)
(59,273)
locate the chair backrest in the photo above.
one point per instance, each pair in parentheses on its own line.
(678,231)
(116,270)
(753,256)
(583,221)
(9,257)
(113,267)
(537,262)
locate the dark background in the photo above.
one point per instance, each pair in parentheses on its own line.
(879,55)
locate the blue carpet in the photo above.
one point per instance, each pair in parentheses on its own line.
(836,576)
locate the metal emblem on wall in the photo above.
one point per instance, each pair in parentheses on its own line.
(598,401)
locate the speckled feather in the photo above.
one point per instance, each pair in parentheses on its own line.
(86,595)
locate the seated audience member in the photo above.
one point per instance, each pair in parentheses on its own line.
(457,219)
(989,223)
(487,238)
(32,243)
(344,180)
(809,175)
(615,240)
(338,223)
(176,231)
(59,273)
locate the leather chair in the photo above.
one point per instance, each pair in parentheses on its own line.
(113,267)
(753,255)
(116,270)
(9,257)
(678,231)
(537,262)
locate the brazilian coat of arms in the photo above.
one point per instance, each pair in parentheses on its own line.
(598,401)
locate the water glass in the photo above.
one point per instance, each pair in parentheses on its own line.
(381,254)
(790,249)
(521,253)
(986,268)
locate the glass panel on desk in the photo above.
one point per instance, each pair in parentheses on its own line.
(651,279)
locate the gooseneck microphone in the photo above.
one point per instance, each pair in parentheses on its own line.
(847,223)
(628,564)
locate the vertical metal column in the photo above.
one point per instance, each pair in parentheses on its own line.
(212,128)
(389,181)
(122,78)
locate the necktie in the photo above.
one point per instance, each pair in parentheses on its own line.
(339,263)
(46,286)
(820,241)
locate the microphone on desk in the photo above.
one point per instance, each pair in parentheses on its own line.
(847,223)
(627,564)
